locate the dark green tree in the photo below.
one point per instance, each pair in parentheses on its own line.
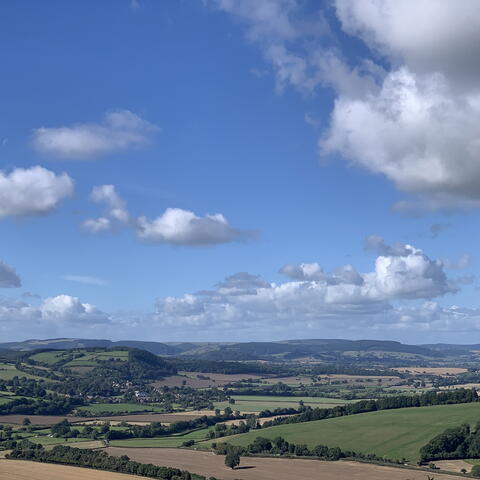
(232,459)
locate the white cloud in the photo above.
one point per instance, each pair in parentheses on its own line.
(409,109)
(118,131)
(313,297)
(416,133)
(32,191)
(116,209)
(445,42)
(107,194)
(8,277)
(68,309)
(175,226)
(96,225)
(86,279)
(183,227)
(60,315)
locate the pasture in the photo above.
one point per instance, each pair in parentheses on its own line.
(394,434)
(8,371)
(257,403)
(251,468)
(161,442)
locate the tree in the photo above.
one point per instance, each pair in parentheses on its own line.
(232,459)
(61,429)
(475,471)
(26,421)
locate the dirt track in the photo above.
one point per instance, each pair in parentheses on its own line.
(206,463)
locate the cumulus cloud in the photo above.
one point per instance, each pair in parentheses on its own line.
(118,131)
(312,296)
(183,227)
(409,109)
(60,314)
(116,209)
(32,191)
(68,309)
(417,133)
(446,41)
(8,277)
(175,226)
(313,271)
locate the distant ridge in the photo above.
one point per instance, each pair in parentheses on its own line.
(316,349)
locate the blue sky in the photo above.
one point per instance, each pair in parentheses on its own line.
(151,150)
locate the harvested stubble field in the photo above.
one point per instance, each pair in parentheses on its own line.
(191,379)
(453,465)
(22,470)
(148,418)
(261,421)
(251,468)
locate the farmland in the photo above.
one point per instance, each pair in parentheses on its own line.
(8,371)
(258,403)
(100,408)
(166,441)
(206,463)
(23,470)
(394,434)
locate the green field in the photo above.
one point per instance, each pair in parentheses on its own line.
(90,359)
(8,371)
(394,434)
(44,440)
(49,358)
(99,408)
(257,403)
(170,441)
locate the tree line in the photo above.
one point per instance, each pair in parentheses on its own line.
(454,443)
(156,429)
(281,447)
(461,395)
(99,460)
(49,405)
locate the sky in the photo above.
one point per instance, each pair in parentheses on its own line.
(240,170)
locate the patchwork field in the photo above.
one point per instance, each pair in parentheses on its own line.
(99,408)
(191,379)
(257,403)
(394,434)
(431,370)
(251,468)
(39,419)
(144,418)
(162,442)
(22,470)
(8,371)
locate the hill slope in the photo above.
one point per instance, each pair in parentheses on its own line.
(394,434)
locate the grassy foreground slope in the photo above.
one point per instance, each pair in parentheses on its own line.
(394,434)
